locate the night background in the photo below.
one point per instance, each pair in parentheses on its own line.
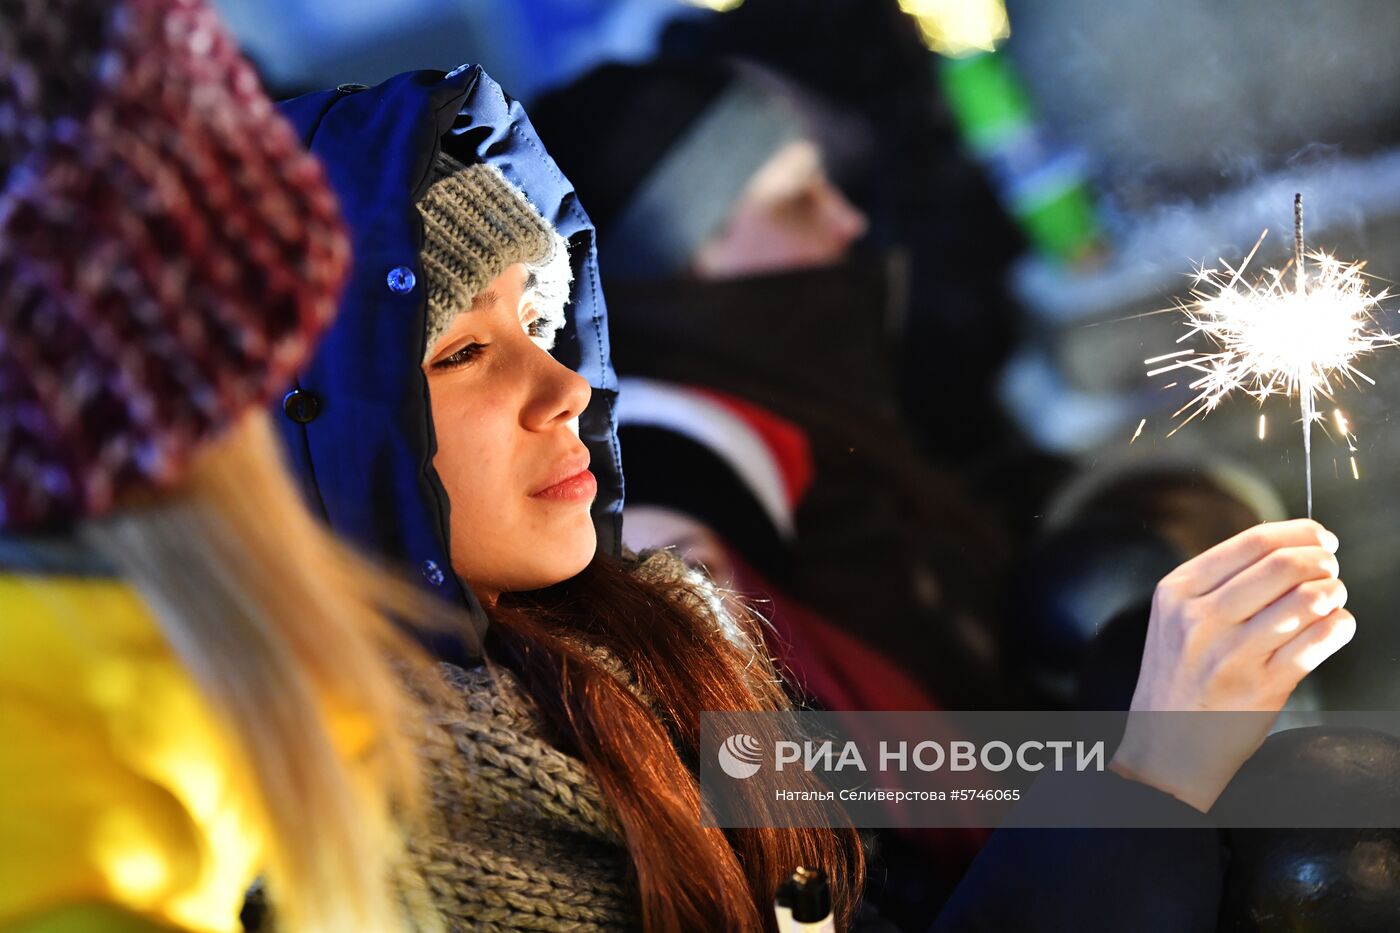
(1050,171)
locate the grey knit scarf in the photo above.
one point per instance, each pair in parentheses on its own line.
(523,838)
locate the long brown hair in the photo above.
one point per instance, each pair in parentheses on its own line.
(685,658)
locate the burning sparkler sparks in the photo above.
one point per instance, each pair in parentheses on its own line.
(1273,336)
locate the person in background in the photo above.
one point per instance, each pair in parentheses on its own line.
(197,678)
(899,156)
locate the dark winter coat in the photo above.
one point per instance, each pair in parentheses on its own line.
(887,546)
(1080,880)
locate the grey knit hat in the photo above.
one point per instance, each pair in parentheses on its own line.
(475,225)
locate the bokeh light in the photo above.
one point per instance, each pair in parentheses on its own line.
(960,27)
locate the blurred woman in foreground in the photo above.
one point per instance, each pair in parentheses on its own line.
(196,679)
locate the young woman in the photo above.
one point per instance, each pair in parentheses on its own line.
(195,686)
(445,425)
(445,434)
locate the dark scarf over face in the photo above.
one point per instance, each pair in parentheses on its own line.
(887,546)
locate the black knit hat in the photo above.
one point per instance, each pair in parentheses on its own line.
(660,152)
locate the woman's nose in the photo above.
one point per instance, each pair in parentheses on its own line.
(560,394)
(846,222)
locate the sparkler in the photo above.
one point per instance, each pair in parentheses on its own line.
(1269,339)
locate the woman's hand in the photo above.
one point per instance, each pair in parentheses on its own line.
(1233,629)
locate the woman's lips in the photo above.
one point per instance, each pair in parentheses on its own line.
(570,481)
(581,485)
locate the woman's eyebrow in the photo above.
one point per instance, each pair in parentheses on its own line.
(485,298)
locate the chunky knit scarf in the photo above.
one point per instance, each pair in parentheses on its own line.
(523,838)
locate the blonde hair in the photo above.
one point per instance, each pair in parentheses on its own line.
(287,635)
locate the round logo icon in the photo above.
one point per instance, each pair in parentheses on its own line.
(740,756)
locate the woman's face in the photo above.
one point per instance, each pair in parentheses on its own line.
(790,216)
(509,455)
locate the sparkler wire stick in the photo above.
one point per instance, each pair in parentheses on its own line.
(1305,393)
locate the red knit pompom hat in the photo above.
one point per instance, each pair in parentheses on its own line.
(168,251)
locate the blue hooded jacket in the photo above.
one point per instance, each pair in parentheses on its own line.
(357,421)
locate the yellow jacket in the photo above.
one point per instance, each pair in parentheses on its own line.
(121,805)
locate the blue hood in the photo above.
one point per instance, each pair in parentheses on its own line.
(357,421)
